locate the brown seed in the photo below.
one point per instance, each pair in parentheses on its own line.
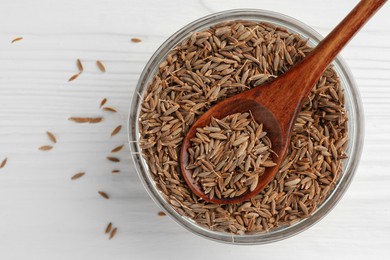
(161,214)
(303,207)
(113,159)
(74,77)
(108,228)
(45,148)
(101,66)
(115,171)
(110,109)
(103,194)
(17,39)
(51,137)
(116,130)
(79,65)
(77,175)
(3,163)
(91,120)
(113,232)
(117,149)
(104,100)
(136,40)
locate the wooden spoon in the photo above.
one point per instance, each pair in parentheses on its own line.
(278,103)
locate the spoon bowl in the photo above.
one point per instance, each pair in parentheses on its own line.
(240,103)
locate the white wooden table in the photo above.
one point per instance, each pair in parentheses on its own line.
(45,215)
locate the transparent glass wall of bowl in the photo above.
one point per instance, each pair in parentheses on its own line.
(355,124)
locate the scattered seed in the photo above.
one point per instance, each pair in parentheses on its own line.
(108,228)
(113,232)
(3,163)
(110,109)
(51,137)
(78,175)
(45,148)
(80,65)
(17,39)
(115,171)
(101,66)
(117,149)
(90,120)
(113,159)
(103,194)
(136,40)
(75,76)
(116,130)
(161,214)
(104,100)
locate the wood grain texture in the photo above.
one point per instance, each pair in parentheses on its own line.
(44,215)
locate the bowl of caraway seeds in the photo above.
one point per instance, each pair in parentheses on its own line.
(208,61)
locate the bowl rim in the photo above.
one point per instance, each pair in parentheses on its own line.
(353,106)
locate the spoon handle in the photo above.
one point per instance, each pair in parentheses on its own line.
(297,83)
(319,59)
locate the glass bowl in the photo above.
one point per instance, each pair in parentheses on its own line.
(355,125)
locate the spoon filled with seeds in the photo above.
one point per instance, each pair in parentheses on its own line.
(236,147)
